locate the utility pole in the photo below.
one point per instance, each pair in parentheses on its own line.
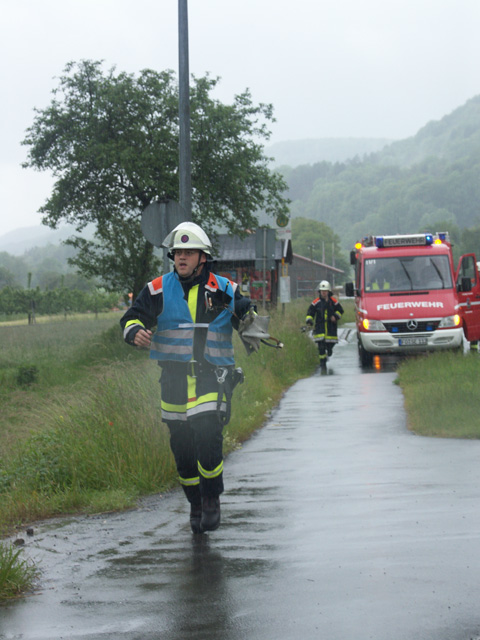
(185,157)
(312,247)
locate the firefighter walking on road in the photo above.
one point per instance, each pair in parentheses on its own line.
(185,318)
(323,315)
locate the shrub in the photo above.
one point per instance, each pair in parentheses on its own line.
(27,375)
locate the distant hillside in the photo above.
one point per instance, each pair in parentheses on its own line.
(294,153)
(426,182)
(455,136)
(18,241)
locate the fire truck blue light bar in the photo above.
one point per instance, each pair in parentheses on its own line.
(404,241)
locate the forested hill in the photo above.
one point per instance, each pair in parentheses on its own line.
(429,181)
(455,136)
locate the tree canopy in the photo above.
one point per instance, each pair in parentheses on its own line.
(111,141)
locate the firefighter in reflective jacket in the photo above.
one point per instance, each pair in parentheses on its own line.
(323,315)
(186,318)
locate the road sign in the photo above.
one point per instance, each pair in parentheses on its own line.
(284,227)
(159,218)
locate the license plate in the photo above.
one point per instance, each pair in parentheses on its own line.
(412,342)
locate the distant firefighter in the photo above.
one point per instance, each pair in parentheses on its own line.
(323,315)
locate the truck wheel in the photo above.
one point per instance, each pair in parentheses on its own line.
(366,358)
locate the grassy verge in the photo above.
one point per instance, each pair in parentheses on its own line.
(441,394)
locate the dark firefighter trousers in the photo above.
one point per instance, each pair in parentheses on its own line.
(325,349)
(195,443)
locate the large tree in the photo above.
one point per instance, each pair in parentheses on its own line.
(111,141)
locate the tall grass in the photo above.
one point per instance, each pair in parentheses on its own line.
(16,573)
(38,361)
(441,394)
(104,439)
(57,350)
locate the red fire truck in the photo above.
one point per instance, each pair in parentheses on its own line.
(409,298)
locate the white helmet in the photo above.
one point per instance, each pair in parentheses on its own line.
(324,286)
(188,235)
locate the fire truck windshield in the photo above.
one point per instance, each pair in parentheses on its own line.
(412,273)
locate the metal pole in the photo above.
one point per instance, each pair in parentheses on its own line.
(264,263)
(185,158)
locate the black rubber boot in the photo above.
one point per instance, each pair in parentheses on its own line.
(196,518)
(210,513)
(195,500)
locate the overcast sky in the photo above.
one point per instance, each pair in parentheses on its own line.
(331,68)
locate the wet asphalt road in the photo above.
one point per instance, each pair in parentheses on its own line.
(338,524)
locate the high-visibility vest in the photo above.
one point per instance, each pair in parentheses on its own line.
(376,286)
(173,339)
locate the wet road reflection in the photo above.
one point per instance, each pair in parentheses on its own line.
(337,523)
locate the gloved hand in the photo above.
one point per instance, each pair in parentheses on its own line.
(251,343)
(253,329)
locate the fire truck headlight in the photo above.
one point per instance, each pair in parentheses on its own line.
(450,321)
(373,325)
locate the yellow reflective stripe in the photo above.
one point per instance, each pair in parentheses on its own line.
(210,474)
(129,325)
(309,318)
(132,322)
(208,397)
(192,301)
(173,408)
(191,387)
(189,482)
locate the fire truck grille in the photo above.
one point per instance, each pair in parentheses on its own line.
(410,326)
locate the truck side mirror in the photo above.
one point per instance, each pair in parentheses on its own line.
(465,284)
(349,290)
(353,257)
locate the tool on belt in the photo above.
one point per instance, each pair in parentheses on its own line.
(227,378)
